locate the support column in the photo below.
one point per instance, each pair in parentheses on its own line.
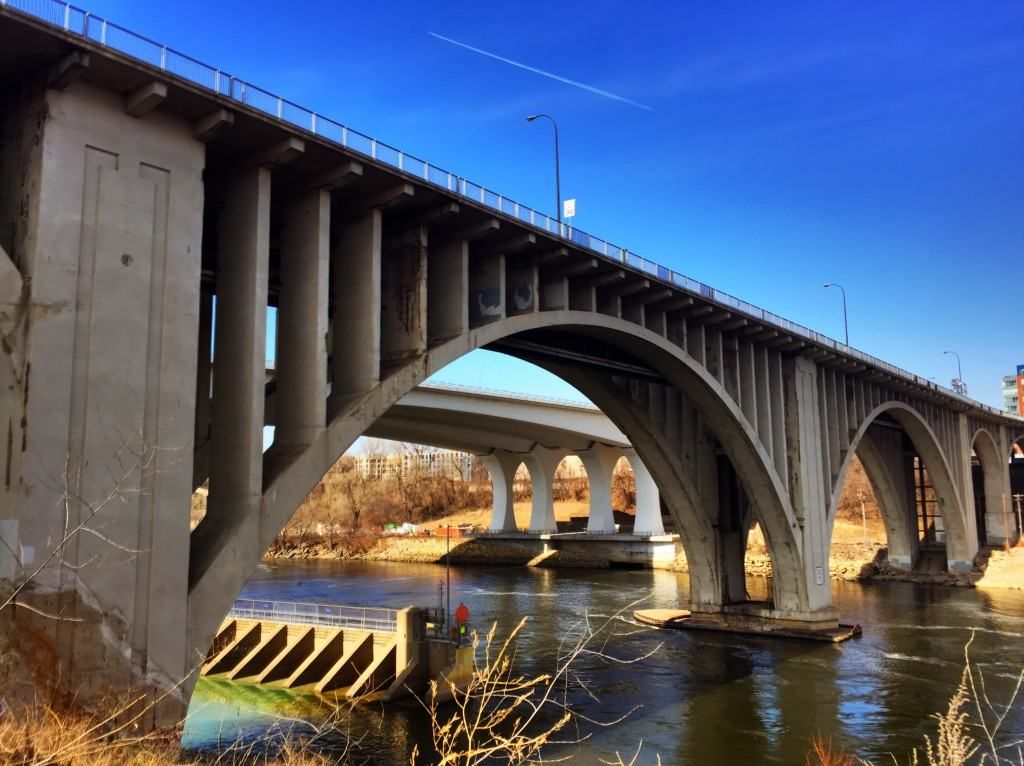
(204,381)
(355,324)
(600,463)
(404,297)
(236,457)
(301,407)
(807,485)
(881,453)
(502,467)
(648,500)
(447,291)
(542,464)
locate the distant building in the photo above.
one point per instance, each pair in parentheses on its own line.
(1013,392)
(456,465)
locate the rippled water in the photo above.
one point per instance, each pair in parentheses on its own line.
(701,698)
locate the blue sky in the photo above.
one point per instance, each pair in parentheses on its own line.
(879,145)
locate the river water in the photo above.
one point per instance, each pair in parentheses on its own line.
(699,698)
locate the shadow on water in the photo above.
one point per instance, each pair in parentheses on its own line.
(700,698)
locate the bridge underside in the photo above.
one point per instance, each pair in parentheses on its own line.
(131,199)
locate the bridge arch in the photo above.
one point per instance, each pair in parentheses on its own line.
(223,567)
(994,473)
(884,479)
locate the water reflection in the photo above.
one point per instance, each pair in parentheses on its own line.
(701,697)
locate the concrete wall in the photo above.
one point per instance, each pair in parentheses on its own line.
(113,260)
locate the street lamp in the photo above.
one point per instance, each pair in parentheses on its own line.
(558,182)
(958,385)
(846,324)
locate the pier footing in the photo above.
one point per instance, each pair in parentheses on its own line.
(683,619)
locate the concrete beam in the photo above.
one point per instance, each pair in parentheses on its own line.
(506,246)
(67,70)
(673,304)
(426,216)
(653,297)
(389,197)
(331,179)
(144,100)
(277,155)
(206,128)
(606,278)
(475,231)
(629,287)
(573,269)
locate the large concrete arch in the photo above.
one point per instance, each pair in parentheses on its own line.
(960,549)
(995,482)
(891,496)
(224,560)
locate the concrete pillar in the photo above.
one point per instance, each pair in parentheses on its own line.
(448,290)
(356,277)
(403,324)
(301,398)
(502,467)
(408,637)
(106,228)
(648,500)
(236,457)
(807,487)
(600,463)
(486,289)
(542,464)
(204,382)
(881,453)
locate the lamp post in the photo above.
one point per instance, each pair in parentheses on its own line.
(558,182)
(958,385)
(846,324)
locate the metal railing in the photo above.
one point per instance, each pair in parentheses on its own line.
(80,22)
(355,617)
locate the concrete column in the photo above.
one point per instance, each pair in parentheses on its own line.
(600,463)
(487,289)
(808,486)
(502,467)
(542,464)
(236,457)
(404,297)
(648,500)
(881,454)
(204,382)
(355,324)
(448,290)
(301,407)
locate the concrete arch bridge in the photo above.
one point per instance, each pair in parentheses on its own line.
(137,184)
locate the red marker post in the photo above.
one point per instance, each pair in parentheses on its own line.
(462,617)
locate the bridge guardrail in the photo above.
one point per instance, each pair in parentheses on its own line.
(311,613)
(80,22)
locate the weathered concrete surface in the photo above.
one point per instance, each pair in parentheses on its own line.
(105,365)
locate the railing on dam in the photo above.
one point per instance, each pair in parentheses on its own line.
(80,22)
(330,615)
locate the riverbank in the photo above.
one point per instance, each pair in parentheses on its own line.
(433,550)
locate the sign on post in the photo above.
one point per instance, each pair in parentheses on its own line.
(569,208)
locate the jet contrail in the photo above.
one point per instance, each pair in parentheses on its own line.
(541,72)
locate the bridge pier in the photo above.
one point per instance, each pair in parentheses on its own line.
(542,464)
(648,501)
(502,467)
(600,464)
(108,322)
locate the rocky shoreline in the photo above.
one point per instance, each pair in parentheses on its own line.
(848,561)
(433,550)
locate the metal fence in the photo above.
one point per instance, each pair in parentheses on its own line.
(356,617)
(80,22)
